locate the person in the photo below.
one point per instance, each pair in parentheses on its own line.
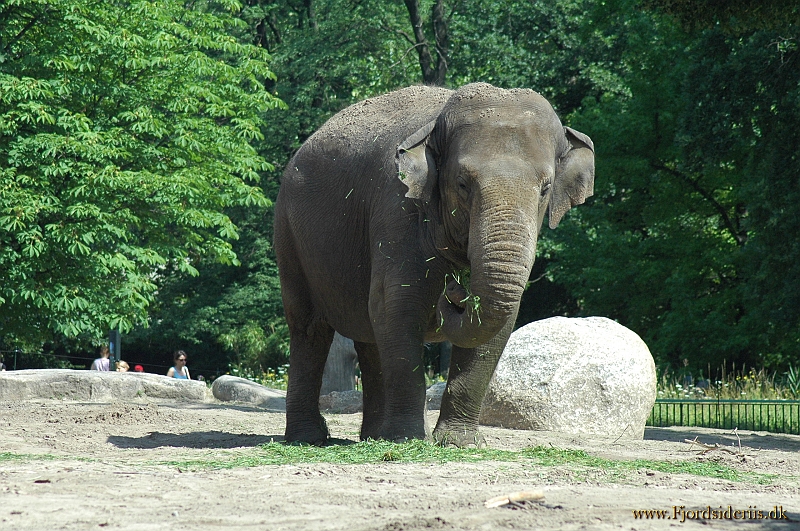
(179,370)
(123,366)
(138,368)
(102,363)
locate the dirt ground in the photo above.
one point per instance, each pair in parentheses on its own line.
(69,465)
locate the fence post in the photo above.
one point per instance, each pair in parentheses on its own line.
(115,348)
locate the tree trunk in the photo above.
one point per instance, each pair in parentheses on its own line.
(431,74)
(340,369)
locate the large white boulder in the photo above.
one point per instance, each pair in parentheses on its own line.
(588,375)
(97,386)
(234,389)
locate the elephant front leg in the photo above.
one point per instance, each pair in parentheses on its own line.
(399,310)
(467,382)
(403,377)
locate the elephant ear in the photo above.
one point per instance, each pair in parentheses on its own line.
(574,180)
(416,166)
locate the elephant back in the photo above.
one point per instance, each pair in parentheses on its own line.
(378,124)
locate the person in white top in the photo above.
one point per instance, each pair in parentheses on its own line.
(102,363)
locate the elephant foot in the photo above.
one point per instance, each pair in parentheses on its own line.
(370,433)
(398,434)
(309,432)
(460,438)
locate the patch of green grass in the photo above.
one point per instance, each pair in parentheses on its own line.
(425,452)
(371,452)
(8,456)
(556,456)
(415,451)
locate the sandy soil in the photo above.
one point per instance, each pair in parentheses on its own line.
(68,465)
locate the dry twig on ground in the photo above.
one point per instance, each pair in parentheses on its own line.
(711,447)
(515,499)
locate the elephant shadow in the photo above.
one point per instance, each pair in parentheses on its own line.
(202,440)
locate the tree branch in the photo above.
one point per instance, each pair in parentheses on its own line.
(738,235)
(312,17)
(430,75)
(442,41)
(425,59)
(28,26)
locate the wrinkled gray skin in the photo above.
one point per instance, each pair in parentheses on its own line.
(376,211)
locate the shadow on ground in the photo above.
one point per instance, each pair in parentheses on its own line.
(758,440)
(202,439)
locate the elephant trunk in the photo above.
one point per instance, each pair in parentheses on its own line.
(501,252)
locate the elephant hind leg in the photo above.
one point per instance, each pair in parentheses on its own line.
(310,341)
(308,352)
(372,386)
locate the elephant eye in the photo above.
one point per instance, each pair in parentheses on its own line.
(545,188)
(463,189)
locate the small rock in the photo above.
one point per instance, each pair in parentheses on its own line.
(342,402)
(234,389)
(433,396)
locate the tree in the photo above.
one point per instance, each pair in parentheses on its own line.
(232,317)
(434,71)
(126,131)
(731,15)
(685,241)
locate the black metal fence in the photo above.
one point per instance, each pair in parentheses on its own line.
(776,416)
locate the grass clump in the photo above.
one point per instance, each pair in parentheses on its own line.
(558,457)
(416,451)
(6,457)
(373,452)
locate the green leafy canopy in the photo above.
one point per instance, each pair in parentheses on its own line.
(126,130)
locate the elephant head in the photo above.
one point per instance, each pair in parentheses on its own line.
(485,172)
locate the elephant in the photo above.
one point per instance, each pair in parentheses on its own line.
(413,217)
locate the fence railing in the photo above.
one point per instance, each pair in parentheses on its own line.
(776,416)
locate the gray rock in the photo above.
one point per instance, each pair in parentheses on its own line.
(234,389)
(340,367)
(68,384)
(433,396)
(342,402)
(589,375)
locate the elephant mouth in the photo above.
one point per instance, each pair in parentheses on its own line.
(457,295)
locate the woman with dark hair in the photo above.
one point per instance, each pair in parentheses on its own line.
(179,370)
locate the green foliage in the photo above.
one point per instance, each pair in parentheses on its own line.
(566,50)
(686,240)
(325,59)
(128,168)
(731,15)
(126,132)
(226,315)
(733,384)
